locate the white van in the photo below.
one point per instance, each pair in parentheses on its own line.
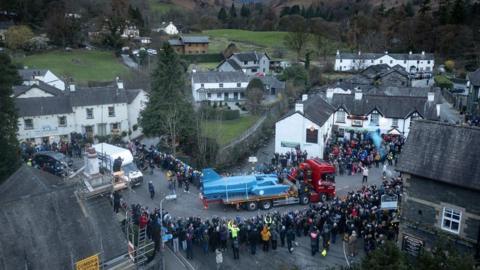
(107,154)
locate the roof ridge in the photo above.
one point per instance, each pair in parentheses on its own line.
(439,123)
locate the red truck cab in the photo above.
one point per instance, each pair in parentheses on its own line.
(320,175)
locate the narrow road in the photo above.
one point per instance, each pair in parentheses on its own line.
(129,61)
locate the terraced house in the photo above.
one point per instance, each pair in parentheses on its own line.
(411,62)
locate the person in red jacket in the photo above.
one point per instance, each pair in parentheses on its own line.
(143,220)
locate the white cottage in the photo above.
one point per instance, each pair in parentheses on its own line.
(250,63)
(219,86)
(308,127)
(32,76)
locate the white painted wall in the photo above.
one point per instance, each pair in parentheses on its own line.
(355,64)
(134,110)
(45,126)
(121,116)
(196,86)
(35,92)
(53,80)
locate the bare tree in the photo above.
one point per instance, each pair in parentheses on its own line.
(297,41)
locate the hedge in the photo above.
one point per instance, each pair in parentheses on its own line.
(203,58)
(443,82)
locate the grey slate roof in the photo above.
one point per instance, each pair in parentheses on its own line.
(221,90)
(43,106)
(247,56)
(398,56)
(474,77)
(194,39)
(44,226)
(402,91)
(175,42)
(27,74)
(132,94)
(316,109)
(97,96)
(272,81)
(232,63)
(374,70)
(442,152)
(219,77)
(4,25)
(388,106)
(21,89)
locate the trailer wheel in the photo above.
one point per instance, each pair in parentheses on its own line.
(266,205)
(323,197)
(252,206)
(304,200)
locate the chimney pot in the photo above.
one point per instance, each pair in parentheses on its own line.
(330,93)
(338,52)
(304,97)
(410,52)
(358,94)
(431,96)
(423,52)
(386,52)
(299,107)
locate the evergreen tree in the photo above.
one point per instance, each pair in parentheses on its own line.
(303,12)
(409,9)
(295,10)
(310,13)
(233,11)
(458,12)
(168,112)
(424,7)
(285,11)
(443,11)
(9,155)
(386,256)
(245,11)
(222,15)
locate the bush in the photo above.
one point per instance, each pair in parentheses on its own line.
(135,127)
(443,82)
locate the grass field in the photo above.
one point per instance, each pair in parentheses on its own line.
(226,131)
(158,7)
(81,65)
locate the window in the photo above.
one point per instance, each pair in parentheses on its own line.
(340,116)
(381,61)
(312,135)
(245,62)
(341,60)
(391,61)
(219,95)
(28,123)
(418,61)
(404,61)
(111,111)
(239,85)
(242,94)
(202,85)
(62,121)
(209,95)
(374,118)
(371,61)
(220,85)
(428,62)
(451,220)
(89,113)
(394,122)
(254,70)
(353,61)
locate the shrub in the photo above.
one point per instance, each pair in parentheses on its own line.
(135,127)
(443,82)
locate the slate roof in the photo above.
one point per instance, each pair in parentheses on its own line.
(388,106)
(194,39)
(21,89)
(221,90)
(474,77)
(272,81)
(315,109)
(175,42)
(232,63)
(44,225)
(374,70)
(219,77)
(426,154)
(402,91)
(247,56)
(132,94)
(97,96)
(43,106)
(398,56)
(28,74)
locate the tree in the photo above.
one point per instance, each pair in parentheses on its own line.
(17,36)
(386,256)
(443,256)
(254,95)
(9,156)
(62,30)
(450,65)
(116,21)
(245,11)
(409,9)
(233,11)
(296,74)
(458,12)
(168,112)
(297,38)
(424,7)
(222,15)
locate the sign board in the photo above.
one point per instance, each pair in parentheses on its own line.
(412,245)
(389,202)
(90,263)
(289,144)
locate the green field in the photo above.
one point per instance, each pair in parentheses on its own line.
(81,65)
(226,131)
(160,7)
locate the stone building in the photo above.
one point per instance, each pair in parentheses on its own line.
(190,44)
(439,167)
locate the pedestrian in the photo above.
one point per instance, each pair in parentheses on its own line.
(116,201)
(290,239)
(252,239)
(190,243)
(352,244)
(151,189)
(187,186)
(218,258)
(265,234)
(384,170)
(235,246)
(275,236)
(283,233)
(176,242)
(365,174)
(314,242)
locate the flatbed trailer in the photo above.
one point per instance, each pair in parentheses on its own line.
(254,202)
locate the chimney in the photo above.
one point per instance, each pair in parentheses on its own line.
(71,87)
(386,52)
(299,107)
(410,52)
(119,83)
(431,96)
(194,70)
(304,97)
(423,52)
(438,110)
(359,52)
(330,93)
(338,52)
(468,83)
(358,94)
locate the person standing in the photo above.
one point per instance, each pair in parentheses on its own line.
(275,236)
(290,239)
(116,201)
(151,189)
(314,241)
(235,246)
(365,174)
(265,233)
(352,244)
(252,239)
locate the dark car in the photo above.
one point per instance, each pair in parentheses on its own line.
(52,162)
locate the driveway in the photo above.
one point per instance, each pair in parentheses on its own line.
(129,61)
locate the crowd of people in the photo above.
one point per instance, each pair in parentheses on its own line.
(356,152)
(69,149)
(357,217)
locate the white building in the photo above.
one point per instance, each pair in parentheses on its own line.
(219,86)
(250,63)
(45,115)
(32,76)
(130,32)
(169,29)
(307,127)
(411,62)
(383,113)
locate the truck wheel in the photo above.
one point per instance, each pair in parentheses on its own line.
(304,200)
(323,197)
(252,206)
(266,205)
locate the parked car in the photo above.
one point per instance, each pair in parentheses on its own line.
(53,162)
